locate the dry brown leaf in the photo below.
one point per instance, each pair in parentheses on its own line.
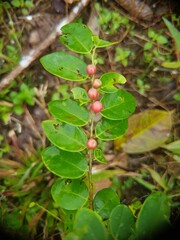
(138,9)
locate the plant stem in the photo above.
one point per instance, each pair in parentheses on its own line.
(13,30)
(93,56)
(50,213)
(90,152)
(6,58)
(90,179)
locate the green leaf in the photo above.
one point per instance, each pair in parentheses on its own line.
(147,131)
(118,105)
(13,220)
(77,37)
(32,204)
(145,184)
(121,222)
(157,178)
(124,62)
(177,97)
(65,65)
(26,94)
(29,4)
(100,43)
(65,136)
(153,215)
(122,55)
(148,45)
(69,111)
(173,147)
(174,33)
(104,202)
(151,33)
(172,65)
(161,39)
(99,156)
(69,194)
(16,3)
(109,79)
(89,226)
(72,236)
(110,129)
(80,94)
(64,164)
(67,222)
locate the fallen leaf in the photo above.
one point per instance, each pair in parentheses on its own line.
(147,131)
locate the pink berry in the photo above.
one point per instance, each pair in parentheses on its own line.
(91,143)
(93,94)
(96,106)
(91,70)
(97,83)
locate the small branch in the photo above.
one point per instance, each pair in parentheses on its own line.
(26,60)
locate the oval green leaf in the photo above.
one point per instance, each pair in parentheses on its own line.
(72,236)
(104,202)
(121,222)
(80,94)
(69,111)
(65,65)
(89,226)
(77,37)
(173,147)
(109,79)
(147,131)
(65,136)
(100,43)
(153,216)
(107,129)
(172,65)
(69,194)
(64,164)
(99,156)
(118,105)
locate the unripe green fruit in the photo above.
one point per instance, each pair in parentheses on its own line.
(91,70)
(91,143)
(93,94)
(97,83)
(96,106)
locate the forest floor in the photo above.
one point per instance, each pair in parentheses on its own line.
(146,53)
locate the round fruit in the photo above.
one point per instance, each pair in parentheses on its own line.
(93,94)
(91,143)
(91,70)
(96,106)
(97,83)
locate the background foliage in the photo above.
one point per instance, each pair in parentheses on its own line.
(145,160)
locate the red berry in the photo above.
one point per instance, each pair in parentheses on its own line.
(97,83)
(91,143)
(93,94)
(91,70)
(96,106)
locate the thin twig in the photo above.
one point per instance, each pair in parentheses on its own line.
(26,60)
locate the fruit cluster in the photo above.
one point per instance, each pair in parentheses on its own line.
(93,95)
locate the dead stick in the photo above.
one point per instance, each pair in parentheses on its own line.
(35,53)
